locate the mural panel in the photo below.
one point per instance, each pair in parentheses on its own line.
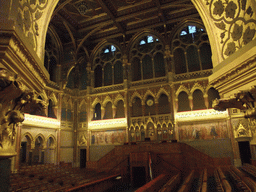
(116,137)
(203,131)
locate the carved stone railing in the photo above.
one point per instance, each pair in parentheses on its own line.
(107,88)
(193,75)
(149,81)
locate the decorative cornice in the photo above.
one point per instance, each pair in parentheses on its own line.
(26,65)
(193,75)
(235,72)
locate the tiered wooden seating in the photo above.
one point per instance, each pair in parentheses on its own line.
(221,181)
(250,169)
(187,183)
(202,183)
(154,185)
(96,185)
(172,184)
(239,179)
(51,178)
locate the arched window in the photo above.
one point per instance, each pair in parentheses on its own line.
(159,64)
(120,109)
(163,104)
(193,59)
(147,67)
(198,100)
(147,58)
(136,107)
(180,61)
(108,74)
(51,112)
(83,76)
(191,49)
(183,102)
(97,112)
(118,72)
(98,76)
(108,111)
(136,69)
(51,58)
(109,68)
(212,95)
(205,56)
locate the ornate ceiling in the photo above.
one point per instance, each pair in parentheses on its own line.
(94,20)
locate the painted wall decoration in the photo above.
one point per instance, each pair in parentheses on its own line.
(236,22)
(29,15)
(204,131)
(116,137)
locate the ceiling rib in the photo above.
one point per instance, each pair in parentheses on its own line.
(110,14)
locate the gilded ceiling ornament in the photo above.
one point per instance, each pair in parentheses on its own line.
(82,7)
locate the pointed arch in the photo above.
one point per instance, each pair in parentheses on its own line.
(143,33)
(43,139)
(135,94)
(103,43)
(118,98)
(81,104)
(95,102)
(54,99)
(160,92)
(148,93)
(182,88)
(70,104)
(54,144)
(32,140)
(106,100)
(197,86)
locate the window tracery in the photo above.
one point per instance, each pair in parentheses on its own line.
(108,69)
(147,58)
(191,49)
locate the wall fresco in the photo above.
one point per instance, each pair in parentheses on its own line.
(204,131)
(108,137)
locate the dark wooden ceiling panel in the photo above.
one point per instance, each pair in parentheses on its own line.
(118,18)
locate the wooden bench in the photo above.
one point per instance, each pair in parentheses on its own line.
(187,183)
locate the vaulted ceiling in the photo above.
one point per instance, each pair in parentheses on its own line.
(94,20)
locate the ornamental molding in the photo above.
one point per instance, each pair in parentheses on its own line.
(235,72)
(235,22)
(15,49)
(192,75)
(241,131)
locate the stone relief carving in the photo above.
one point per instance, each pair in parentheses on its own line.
(242,131)
(29,14)
(236,20)
(15,99)
(245,101)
